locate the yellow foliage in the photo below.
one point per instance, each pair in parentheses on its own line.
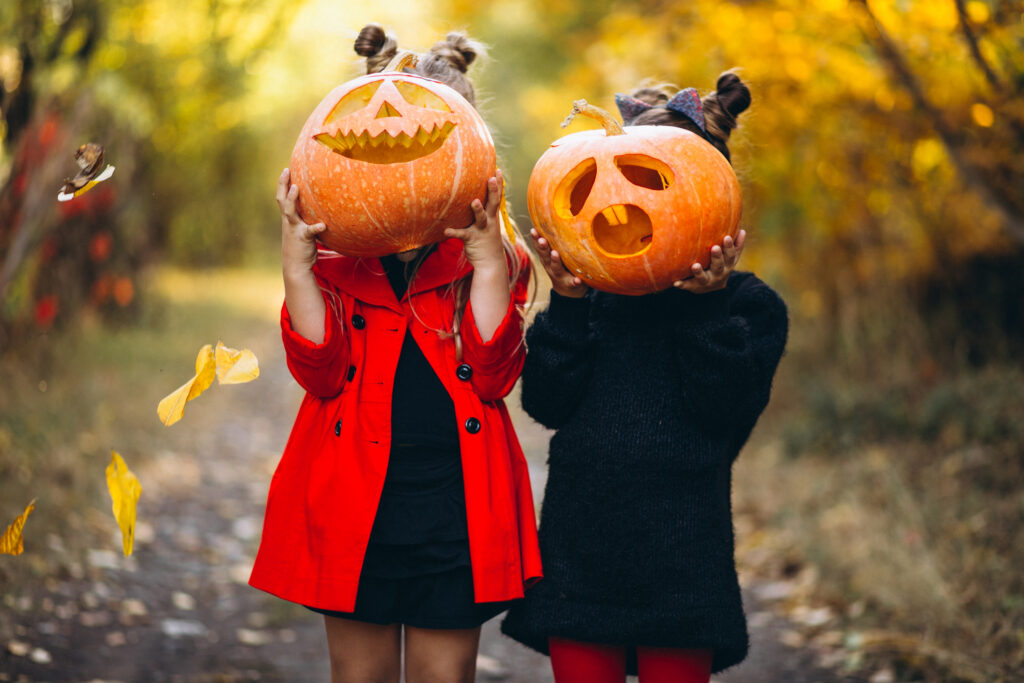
(188,72)
(124,490)
(11,542)
(978,12)
(229,366)
(835,149)
(982,115)
(236,367)
(172,407)
(928,154)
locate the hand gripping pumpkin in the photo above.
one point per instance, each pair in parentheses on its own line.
(389,160)
(631,209)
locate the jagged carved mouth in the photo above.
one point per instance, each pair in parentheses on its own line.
(623,229)
(386,148)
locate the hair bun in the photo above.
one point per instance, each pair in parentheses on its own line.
(370,40)
(377,46)
(458,49)
(733,93)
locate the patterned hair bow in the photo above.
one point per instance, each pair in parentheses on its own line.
(686,102)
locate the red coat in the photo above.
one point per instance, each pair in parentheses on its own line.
(323,497)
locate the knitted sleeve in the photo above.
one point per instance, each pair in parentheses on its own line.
(728,345)
(558,361)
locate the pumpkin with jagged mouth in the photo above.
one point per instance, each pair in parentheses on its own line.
(631,209)
(388,161)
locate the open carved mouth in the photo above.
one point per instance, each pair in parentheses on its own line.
(623,229)
(386,148)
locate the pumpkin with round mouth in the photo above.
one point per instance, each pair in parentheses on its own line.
(629,210)
(388,161)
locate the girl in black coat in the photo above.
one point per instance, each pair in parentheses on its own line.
(652,398)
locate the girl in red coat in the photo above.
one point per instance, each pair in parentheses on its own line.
(401,508)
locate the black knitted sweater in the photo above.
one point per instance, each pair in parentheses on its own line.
(652,398)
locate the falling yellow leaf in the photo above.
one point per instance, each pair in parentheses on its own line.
(236,367)
(172,407)
(10,542)
(124,491)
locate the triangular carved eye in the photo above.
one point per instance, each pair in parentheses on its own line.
(353,101)
(572,192)
(644,171)
(421,97)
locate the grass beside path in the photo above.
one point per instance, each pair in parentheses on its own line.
(77,393)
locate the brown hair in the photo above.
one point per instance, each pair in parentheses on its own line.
(447,61)
(730,99)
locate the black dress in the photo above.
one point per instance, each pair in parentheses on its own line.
(417,567)
(652,397)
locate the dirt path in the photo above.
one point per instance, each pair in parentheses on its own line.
(179,609)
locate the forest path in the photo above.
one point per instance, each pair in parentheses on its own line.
(180,610)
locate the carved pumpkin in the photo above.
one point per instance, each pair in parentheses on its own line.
(629,210)
(388,161)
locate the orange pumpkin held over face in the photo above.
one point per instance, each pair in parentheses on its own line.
(629,210)
(388,161)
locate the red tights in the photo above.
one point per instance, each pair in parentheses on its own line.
(576,662)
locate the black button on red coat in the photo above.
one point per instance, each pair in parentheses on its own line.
(337,428)
(464,372)
(472,425)
(358,321)
(351,373)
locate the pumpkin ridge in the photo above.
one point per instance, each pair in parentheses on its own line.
(456,177)
(700,214)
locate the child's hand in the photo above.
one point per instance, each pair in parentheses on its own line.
(723,262)
(298,239)
(482,238)
(562,281)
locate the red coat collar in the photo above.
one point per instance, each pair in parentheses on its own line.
(364,278)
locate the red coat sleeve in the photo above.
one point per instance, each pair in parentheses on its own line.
(498,362)
(318,368)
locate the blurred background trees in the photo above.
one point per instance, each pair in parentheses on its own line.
(882,164)
(161,85)
(882,158)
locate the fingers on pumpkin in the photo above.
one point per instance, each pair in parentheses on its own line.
(717,264)
(479,214)
(738,249)
(493,195)
(282,188)
(699,274)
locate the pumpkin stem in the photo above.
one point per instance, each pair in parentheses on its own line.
(611,126)
(401,60)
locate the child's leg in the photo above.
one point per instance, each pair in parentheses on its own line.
(361,651)
(669,665)
(575,662)
(441,655)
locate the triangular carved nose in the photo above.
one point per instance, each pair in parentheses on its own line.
(385,111)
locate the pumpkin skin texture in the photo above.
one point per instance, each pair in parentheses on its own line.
(388,161)
(630,213)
